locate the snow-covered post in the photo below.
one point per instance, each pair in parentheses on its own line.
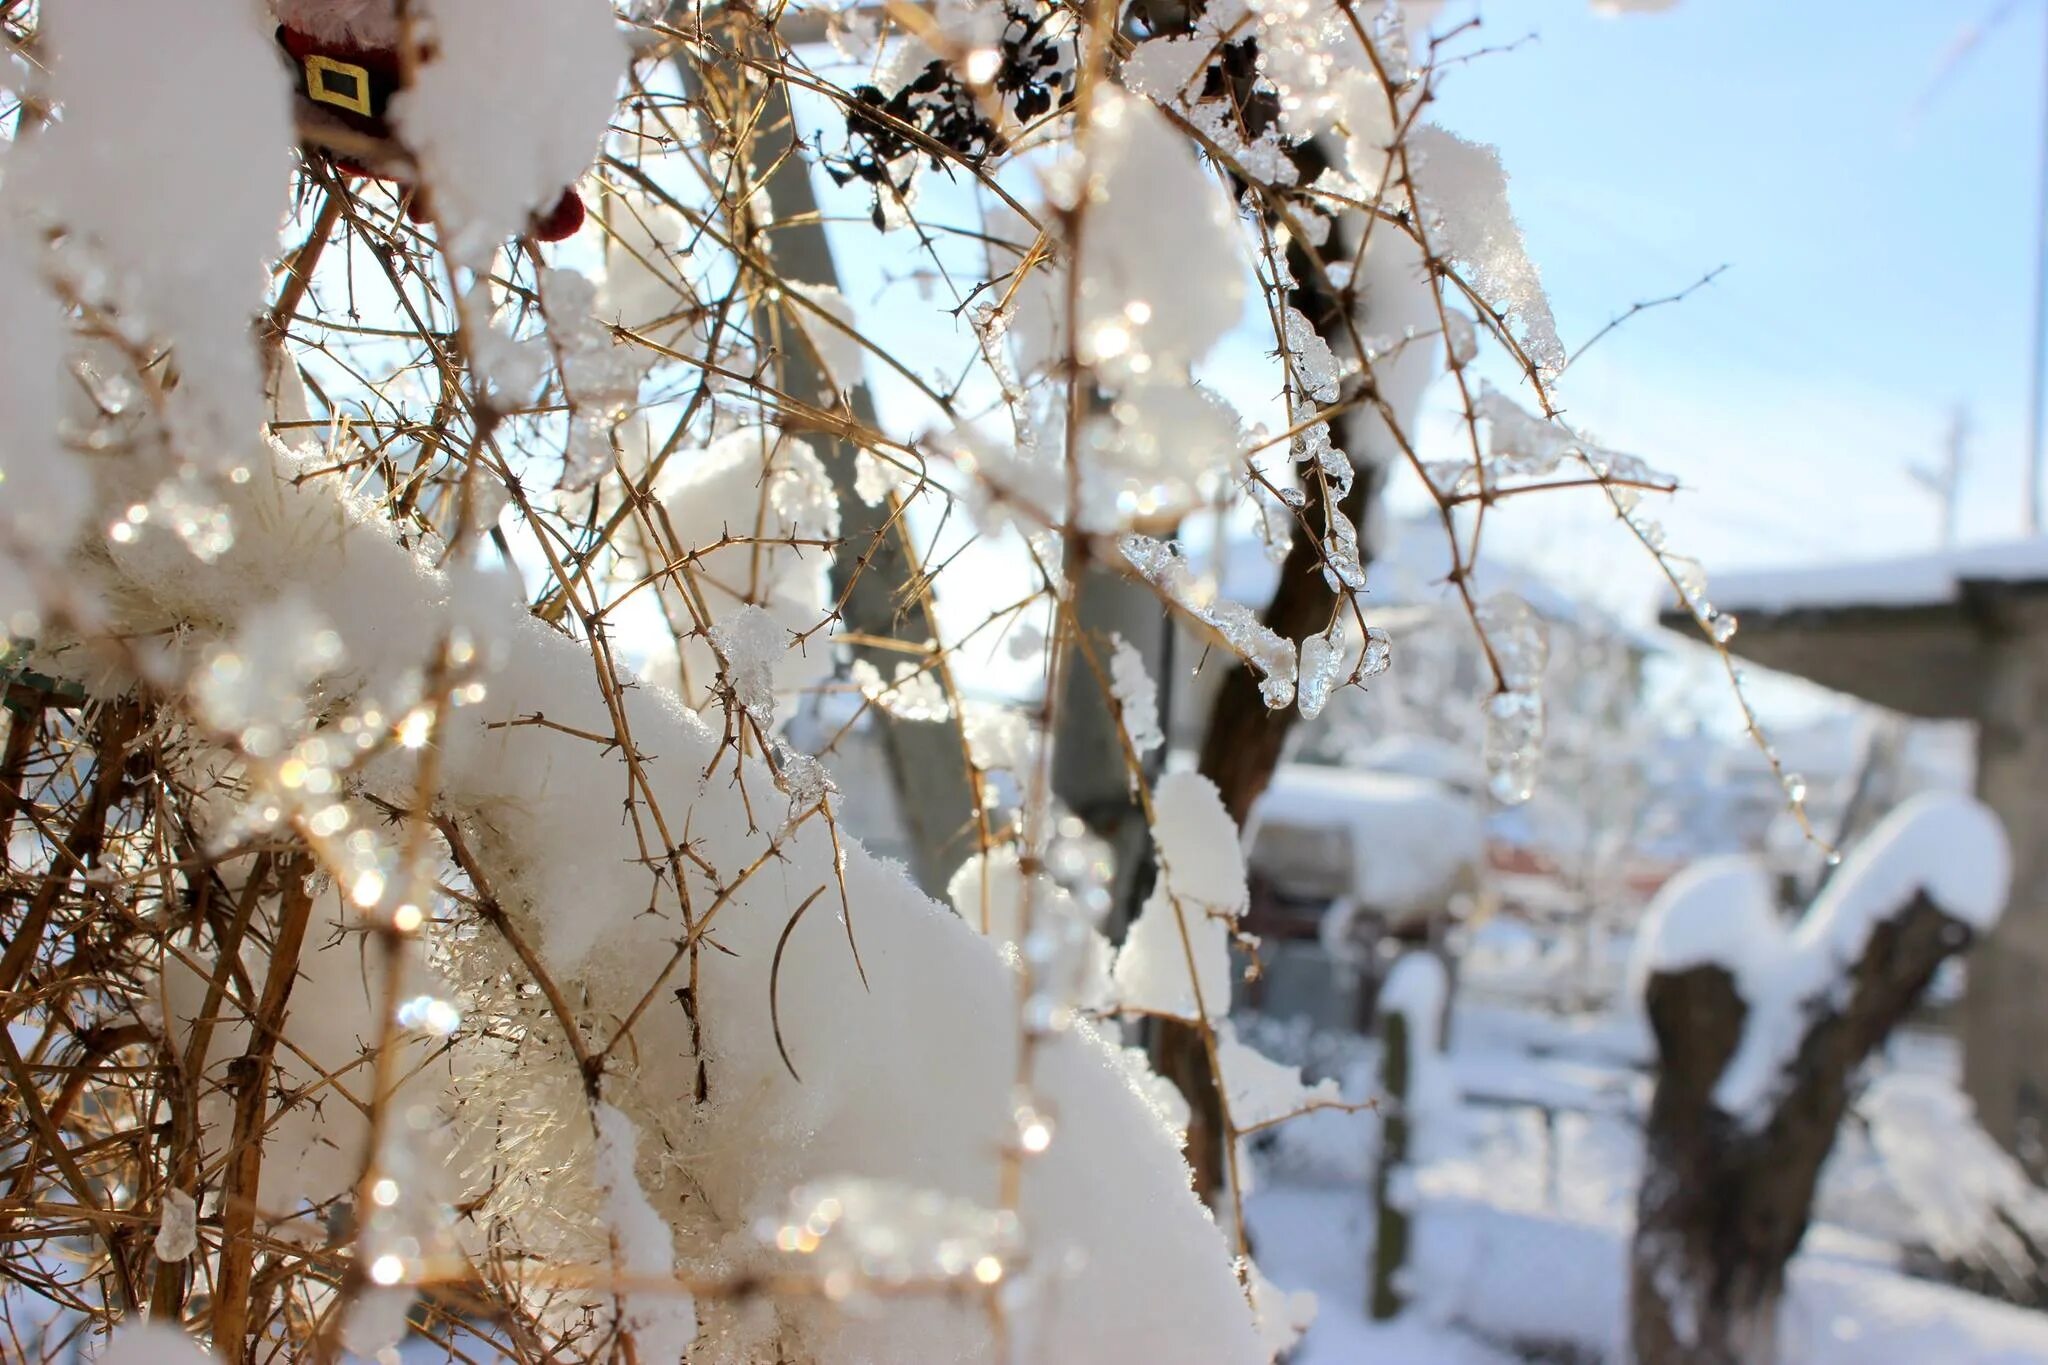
(1760,1029)
(1411,1008)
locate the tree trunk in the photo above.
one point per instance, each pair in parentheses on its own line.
(1088,769)
(1724,1202)
(927,759)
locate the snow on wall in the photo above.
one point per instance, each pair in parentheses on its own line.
(907,1079)
(1722,914)
(1907,581)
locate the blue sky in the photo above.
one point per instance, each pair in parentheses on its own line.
(1877,221)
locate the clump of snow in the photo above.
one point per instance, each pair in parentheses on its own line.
(509,110)
(749,643)
(1722,914)
(1281,1316)
(756,514)
(915,694)
(1155,221)
(1261,1091)
(1070,957)
(600,377)
(1465,189)
(115,68)
(1170,948)
(1137,695)
(1197,841)
(1397,298)
(177,1229)
(839,347)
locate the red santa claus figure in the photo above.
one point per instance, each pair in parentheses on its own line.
(344,56)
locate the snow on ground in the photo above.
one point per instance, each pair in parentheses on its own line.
(1552,1281)
(1522,1226)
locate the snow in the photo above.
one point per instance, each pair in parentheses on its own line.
(1925,580)
(177,1231)
(906,1078)
(914,694)
(663,1324)
(1154,221)
(750,509)
(1152,967)
(509,110)
(1137,696)
(1500,1268)
(43,491)
(1464,185)
(1262,1091)
(1073,958)
(1722,914)
(839,347)
(113,173)
(1410,838)
(1197,843)
(152,1344)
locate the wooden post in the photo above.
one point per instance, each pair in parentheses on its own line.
(1394,1232)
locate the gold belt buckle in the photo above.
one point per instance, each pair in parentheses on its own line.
(341,84)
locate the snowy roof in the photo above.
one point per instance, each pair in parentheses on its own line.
(1927,580)
(1407,838)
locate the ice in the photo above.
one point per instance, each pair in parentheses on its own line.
(1322,659)
(1514,745)
(1272,654)
(1309,357)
